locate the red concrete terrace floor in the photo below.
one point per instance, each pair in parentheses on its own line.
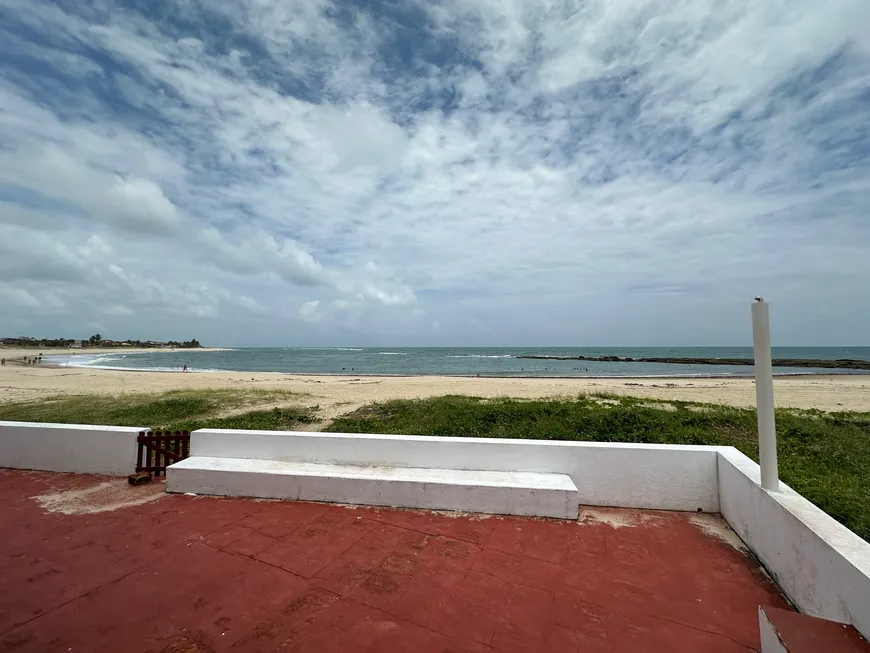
(184,574)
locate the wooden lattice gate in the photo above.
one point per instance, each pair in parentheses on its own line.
(158,449)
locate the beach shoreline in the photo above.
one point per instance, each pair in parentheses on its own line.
(338,394)
(590,377)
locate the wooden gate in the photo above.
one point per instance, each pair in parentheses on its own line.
(158,449)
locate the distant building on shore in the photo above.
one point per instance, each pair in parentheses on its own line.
(95,342)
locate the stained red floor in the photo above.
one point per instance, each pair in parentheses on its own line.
(186,574)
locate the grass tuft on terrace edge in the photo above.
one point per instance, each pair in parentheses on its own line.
(824,456)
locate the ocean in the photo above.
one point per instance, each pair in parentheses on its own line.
(463,361)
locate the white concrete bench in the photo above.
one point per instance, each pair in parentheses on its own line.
(510,493)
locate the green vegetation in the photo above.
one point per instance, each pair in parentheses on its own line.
(287,418)
(824,456)
(96,340)
(175,410)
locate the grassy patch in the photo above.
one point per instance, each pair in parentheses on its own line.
(274,419)
(824,456)
(177,409)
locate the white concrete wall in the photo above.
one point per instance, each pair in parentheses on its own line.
(82,449)
(822,566)
(668,477)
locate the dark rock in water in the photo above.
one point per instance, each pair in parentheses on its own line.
(838,364)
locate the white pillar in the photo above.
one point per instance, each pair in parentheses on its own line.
(764,395)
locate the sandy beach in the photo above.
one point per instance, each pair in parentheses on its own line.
(340,394)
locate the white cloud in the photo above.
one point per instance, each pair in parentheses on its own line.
(546,165)
(361,136)
(18,297)
(309,312)
(253,251)
(131,203)
(399,296)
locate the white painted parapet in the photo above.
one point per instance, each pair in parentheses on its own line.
(78,448)
(822,566)
(664,477)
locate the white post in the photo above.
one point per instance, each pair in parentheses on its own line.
(764,395)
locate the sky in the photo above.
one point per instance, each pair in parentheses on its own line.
(458,172)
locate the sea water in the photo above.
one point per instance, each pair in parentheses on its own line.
(459,361)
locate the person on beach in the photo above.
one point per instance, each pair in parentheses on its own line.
(185,368)
(2,362)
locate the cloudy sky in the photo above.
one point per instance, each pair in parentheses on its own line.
(466,172)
